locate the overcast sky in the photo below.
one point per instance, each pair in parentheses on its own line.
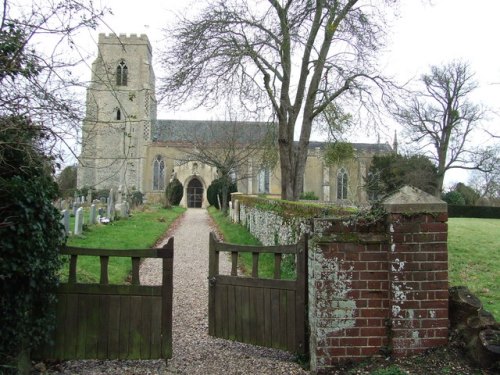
(425,33)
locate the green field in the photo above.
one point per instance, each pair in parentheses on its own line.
(140,231)
(474,258)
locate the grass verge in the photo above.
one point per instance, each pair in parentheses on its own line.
(238,234)
(140,231)
(474,258)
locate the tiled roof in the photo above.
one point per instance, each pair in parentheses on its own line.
(187,130)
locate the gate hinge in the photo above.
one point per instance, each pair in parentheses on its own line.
(212,280)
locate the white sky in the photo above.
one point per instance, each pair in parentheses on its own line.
(427,32)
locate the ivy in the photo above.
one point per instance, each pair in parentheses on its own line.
(30,239)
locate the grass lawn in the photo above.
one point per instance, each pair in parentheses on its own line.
(474,258)
(237,234)
(140,231)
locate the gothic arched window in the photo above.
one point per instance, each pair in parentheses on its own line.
(158,173)
(342,181)
(118,114)
(121,74)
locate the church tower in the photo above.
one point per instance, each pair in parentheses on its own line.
(121,110)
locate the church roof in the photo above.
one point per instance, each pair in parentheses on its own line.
(187,130)
(179,131)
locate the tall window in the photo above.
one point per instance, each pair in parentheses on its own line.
(118,114)
(121,74)
(158,173)
(342,181)
(263,180)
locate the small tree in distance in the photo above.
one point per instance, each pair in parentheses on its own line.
(388,173)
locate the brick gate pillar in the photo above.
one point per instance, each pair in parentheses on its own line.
(418,273)
(379,285)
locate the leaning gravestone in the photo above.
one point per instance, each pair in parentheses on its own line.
(79,221)
(65,220)
(92,215)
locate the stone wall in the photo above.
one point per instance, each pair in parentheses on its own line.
(378,283)
(380,287)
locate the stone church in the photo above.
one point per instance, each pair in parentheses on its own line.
(125,145)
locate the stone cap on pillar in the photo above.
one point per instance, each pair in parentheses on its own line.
(409,199)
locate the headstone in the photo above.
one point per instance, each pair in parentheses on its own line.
(124,210)
(89,196)
(75,208)
(92,215)
(79,221)
(65,220)
(111,205)
(82,199)
(119,197)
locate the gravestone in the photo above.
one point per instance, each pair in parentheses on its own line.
(92,215)
(111,205)
(79,221)
(65,220)
(119,197)
(124,210)
(89,196)
(76,206)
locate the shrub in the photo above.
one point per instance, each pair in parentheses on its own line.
(174,192)
(30,239)
(214,192)
(454,197)
(136,198)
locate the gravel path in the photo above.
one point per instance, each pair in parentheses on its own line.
(194,351)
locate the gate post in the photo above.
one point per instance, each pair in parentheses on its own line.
(379,287)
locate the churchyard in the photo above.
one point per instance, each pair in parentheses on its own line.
(140,230)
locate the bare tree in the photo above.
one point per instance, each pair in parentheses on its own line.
(230,146)
(294,57)
(487,182)
(440,119)
(37,80)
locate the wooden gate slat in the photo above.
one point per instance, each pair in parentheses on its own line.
(238,315)
(245,314)
(268,338)
(275,319)
(114,327)
(124,326)
(145,329)
(291,321)
(92,302)
(102,340)
(82,328)
(156,329)
(60,338)
(282,320)
(134,350)
(231,313)
(70,325)
(252,316)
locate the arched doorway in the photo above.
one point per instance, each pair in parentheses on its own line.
(194,193)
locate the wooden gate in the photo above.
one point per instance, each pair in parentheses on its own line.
(103,321)
(265,312)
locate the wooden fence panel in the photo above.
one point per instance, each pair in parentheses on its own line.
(102,321)
(265,312)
